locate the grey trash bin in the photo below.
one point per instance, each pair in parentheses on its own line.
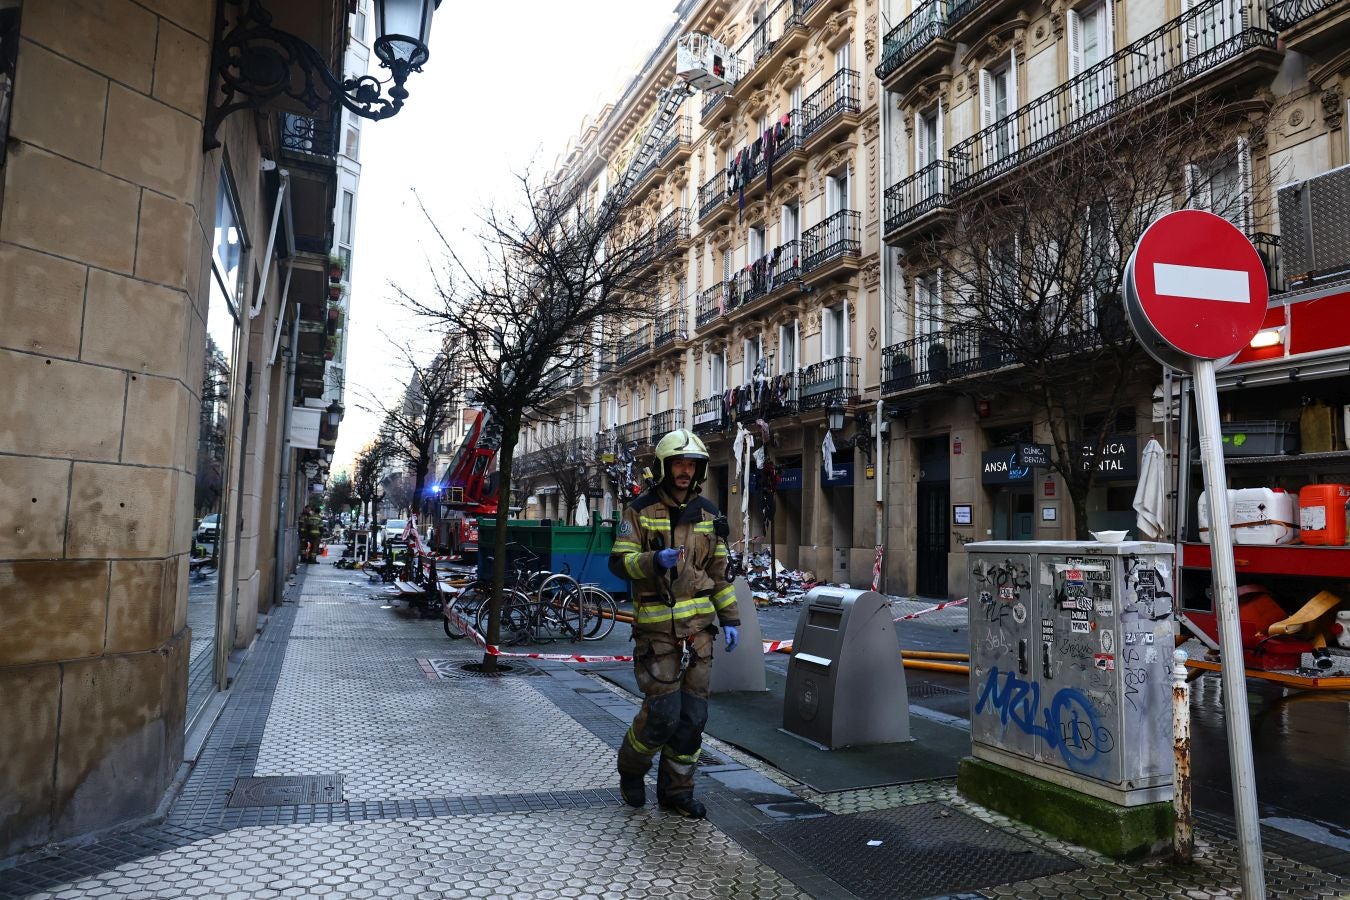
(846,682)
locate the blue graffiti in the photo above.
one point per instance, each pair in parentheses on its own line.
(1069,724)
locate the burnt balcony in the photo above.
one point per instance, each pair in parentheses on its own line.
(708,415)
(829,384)
(637,432)
(911,201)
(770,397)
(712,199)
(915,46)
(1212,36)
(770,42)
(834,244)
(669,328)
(832,108)
(663,423)
(712,305)
(633,345)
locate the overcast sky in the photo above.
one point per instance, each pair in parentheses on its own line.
(506,86)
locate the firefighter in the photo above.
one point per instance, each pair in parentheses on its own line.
(666,546)
(311,532)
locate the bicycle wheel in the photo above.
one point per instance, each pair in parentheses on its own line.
(602,612)
(516,614)
(466,603)
(559,607)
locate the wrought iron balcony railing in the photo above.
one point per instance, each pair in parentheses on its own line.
(771,397)
(751,283)
(785,265)
(838,235)
(712,194)
(711,304)
(634,344)
(1288,13)
(830,383)
(916,31)
(673,228)
(710,103)
(305,134)
(1268,246)
(835,97)
(636,432)
(708,415)
(1201,39)
(670,327)
(766,34)
(680,133)
(663,423)
(924,191)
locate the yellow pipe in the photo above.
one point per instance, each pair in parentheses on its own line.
(934,654)
(936,666)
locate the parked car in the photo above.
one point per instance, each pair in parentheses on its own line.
(393,530)
(208,527)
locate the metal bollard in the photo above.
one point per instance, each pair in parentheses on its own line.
(1183,837)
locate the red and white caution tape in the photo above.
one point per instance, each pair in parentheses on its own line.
(772,646)
(458,618)
(924,612)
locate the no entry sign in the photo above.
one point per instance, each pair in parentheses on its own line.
(1195,288)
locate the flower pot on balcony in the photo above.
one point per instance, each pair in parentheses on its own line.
(335,289)
(335,268)
(937,362)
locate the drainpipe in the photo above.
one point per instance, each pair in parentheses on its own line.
(884,260)
(284,479)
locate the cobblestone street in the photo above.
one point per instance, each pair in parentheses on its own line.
(432,786)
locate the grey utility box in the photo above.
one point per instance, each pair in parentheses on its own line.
(1070,662)
(846,683)
(743,668)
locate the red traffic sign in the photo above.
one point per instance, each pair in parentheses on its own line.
(1195,288)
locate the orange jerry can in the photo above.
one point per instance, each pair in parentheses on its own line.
(1323,511)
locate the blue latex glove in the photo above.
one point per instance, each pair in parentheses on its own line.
(733,636)
(668,557)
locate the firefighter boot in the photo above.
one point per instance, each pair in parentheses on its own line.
(685,805)
(633,790)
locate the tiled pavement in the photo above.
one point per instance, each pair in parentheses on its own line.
(504,787)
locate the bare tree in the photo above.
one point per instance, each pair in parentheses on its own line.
(565,464)
(369,468)
(340,493)
(399,491)
(536,308)
(412,425)
(1019,295)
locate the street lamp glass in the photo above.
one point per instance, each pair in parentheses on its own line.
(404,29)
(836,419)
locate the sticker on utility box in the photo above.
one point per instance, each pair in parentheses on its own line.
(1047,631)
(1078,622)
(1104,661)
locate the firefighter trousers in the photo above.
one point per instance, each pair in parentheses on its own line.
(674,711)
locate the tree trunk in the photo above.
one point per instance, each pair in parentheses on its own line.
(505,458)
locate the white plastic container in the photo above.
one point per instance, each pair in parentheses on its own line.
(1258,516)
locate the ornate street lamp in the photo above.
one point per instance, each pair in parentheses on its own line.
(334,413)
(255,63)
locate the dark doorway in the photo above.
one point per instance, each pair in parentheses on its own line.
(933,536)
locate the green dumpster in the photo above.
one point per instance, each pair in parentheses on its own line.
(583,551)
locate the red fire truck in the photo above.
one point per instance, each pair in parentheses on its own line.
(468,491)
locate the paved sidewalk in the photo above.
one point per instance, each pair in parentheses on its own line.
(424,781)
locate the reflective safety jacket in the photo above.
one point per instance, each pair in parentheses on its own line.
(311,525)
(698,586)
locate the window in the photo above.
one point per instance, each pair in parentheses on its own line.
(717,373)
(787,347)
(612,412)
(1213,25)
(927,305)
(836,191)
(227,256)
(353,143)
(845,87)
(754,352)
(998,98)
(789,224)
(755,244)
(359,28)
(928,148)
(795,104)
(834,332)
(1224,186)
(345,225)
(726,265)
(1091,35)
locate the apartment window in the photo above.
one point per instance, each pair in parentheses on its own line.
(844,87)
(787,347)
(998,98)
(353,143)
(755,244)
(837,191)
(1102,263)
(345,225)
(795,103)
(1091,35)
(789,224)
(1212,25)
(834,332)
(754,352)
(717,373)
(612,412)
(927,305)
(928,147)
(726,265)
(359,29)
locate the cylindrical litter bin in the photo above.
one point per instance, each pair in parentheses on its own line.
(846,682)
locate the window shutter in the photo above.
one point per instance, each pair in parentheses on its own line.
(1011,75)
(1075,23)
(941,136)
(1109,45)
(1244,164)
(920,142)
(987,115)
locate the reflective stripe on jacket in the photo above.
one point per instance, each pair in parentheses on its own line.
(702,595)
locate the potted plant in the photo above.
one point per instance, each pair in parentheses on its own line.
(334,290)
(334,322)
(336,267)
(330,348)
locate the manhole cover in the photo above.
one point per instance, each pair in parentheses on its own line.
(453,669)
(914,851)
(287,790)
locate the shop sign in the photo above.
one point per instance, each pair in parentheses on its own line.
(843,475)
(1033,456)
(1000,466)
(305,427)
(1119,459)
(790,479)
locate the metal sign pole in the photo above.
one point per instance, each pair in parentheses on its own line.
(1230,636)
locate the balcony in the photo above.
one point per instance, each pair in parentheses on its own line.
(634,345)
(815,13)
(750,284)
(910,202)
(712,199)
(711,305)
(1309,25)
(308,138)
(638,432)
(787,157)
(915,46)
(780,35)
(1206,38)
(778,269)
(708,415)
(678,143)
(966,18)
(671,234)
(663,423)
(833,245)
(718,108)
(830,384)
(1268,246)
(768,398)
(832,108)
(670,328)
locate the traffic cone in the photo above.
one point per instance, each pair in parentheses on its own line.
(323,549)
